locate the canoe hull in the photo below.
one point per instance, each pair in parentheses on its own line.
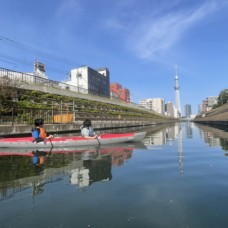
(74,141)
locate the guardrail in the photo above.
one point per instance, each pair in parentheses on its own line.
(33,79)
(26,116)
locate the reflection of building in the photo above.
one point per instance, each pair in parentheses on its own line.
(158,138)
(80,176)
(215,137)
(170,134)
(119,156)
(92,171)
(155,139)
(188,128)
(83,167)
(210,139)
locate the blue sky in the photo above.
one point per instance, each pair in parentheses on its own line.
(139,41)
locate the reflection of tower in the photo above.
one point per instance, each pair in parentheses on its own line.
(177,92)
(180,151)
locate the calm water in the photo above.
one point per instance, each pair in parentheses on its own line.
(177,177)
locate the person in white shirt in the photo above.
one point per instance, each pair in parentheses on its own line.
(87,130)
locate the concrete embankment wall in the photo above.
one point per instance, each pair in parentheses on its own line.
(218,116)
(6,130)
(16,129)
(215,123)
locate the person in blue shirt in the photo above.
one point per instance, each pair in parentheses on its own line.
(87,130)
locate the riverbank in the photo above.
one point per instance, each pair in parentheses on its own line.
(217,116)
(24,130)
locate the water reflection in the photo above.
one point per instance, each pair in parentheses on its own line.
(188,129)
(178,176)
(92,171)
(169,135)
(215,137)
(21,169)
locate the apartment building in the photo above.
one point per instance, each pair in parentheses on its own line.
(208,103)
(118,91)
(155,104)
(89,81)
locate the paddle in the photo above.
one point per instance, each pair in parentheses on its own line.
(98,141)
(49,138)
(51,143)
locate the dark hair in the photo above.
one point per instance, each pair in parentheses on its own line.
(87,123)
(39,122)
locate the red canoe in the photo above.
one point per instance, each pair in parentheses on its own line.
(71,141)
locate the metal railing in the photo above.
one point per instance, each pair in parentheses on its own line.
(33,79)
(26,116)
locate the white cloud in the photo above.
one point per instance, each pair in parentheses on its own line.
(154,36)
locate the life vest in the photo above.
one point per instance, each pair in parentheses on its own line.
(35,160)
(43,133)
(36,133)
(39,133)
(42,159)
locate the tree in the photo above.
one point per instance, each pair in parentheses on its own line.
(8,91)
(223,97)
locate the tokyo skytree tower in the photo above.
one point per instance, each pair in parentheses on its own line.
(177,92)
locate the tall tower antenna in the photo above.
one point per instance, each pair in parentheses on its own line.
(177,93)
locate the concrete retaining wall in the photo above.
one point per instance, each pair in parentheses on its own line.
(57,128)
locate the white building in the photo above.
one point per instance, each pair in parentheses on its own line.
(171,110)
(155,104)
(207,104)
(89,81)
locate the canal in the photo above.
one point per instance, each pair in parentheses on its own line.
(176,177)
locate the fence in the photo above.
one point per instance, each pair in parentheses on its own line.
(17,116)
(33,79)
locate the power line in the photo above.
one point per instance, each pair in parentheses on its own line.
(14,59)
(28,49)
(24,62)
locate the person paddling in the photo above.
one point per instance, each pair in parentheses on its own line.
(87,130)
(38,132)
